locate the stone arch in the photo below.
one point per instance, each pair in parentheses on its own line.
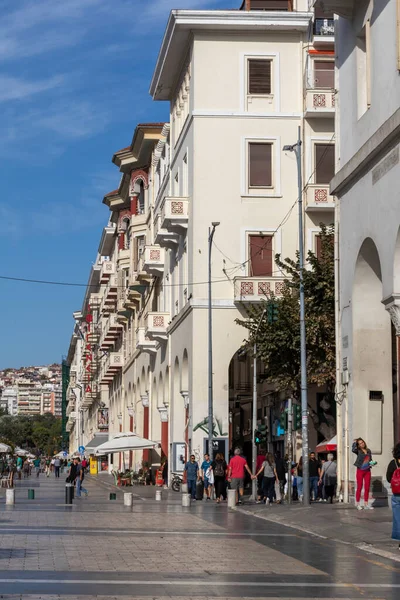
(371,354)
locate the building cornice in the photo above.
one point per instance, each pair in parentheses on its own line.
(182,23)
(374,149)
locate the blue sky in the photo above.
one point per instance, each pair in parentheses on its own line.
(74,80)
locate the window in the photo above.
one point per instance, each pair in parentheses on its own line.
(259,76)
(324,163)
(318,248)
(260,164)
(260,255)
(139,249)
(270,5)
(324,74)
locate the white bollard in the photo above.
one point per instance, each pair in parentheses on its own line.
(158,495)
(185,499)
(10,496)
(184,488)
(231,498)
(128,498)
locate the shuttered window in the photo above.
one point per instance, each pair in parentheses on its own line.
(260,165)
(259,76)
(324,163)
(260,251)
(324,74)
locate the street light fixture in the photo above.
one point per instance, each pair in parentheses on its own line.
(211,231)
(296,148)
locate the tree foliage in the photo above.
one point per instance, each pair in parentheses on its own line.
(278,342)
(38,433)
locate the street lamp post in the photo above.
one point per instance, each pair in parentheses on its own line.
(296,148)
(254,457)
(211,231)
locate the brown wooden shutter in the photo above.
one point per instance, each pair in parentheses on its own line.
(260,165)
(259,76)
(324,163)
(260,251)
(318,246)
(324,74)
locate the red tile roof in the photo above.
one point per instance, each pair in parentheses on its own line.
(113,193)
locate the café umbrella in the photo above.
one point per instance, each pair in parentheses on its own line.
(5,448)
(124,442)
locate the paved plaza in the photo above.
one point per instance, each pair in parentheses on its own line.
(98,548)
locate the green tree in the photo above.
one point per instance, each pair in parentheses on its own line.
(278,341)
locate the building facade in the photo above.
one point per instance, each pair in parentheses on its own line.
(142,348)
(368,60)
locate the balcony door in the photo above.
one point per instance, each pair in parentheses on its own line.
(260,255)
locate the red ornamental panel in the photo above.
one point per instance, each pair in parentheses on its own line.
(279,287)
(155,254)
(246,288)
(264,288)
(158,321)
(177,208)
(319,100)
(321,195)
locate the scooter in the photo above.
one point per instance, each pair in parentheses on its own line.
(176,482)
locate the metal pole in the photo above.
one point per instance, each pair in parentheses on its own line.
(290,452)
(303,353)
(211,232)
(254,461)
(254,456)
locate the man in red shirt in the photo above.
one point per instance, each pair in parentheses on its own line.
(236,468)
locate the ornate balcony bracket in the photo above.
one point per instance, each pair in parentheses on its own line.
(185,396)
(392,305)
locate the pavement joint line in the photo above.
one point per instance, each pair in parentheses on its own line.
(140,532)
(203,583)
(363,546)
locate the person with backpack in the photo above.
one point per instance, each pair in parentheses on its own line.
(393,477)
(363,464)
(219,468)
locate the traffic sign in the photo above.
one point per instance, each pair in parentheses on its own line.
(81,449)
(65,453)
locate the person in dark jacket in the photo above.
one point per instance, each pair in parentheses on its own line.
(392,466)
(280,471)
(363,475)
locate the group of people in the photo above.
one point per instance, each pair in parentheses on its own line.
(76,476)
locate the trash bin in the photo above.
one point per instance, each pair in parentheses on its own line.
(128,497)
(31,494)
(69,493)
(158,495)
(10,496)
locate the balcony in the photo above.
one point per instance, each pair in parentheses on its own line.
(107,269)
(154,260)
(111,330)
(113,363)
(163,237)
(111,291)
(156,324)
(324,32)
(175,214)
(144,343)
(320,95)
(318,198)
(255,289)
(94,301)
(70,407)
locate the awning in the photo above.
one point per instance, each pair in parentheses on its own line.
(4,448)
(96,441)
(125,441)
(327,446)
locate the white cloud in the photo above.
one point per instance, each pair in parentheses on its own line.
(12,88)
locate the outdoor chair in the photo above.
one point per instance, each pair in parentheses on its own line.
(5,480)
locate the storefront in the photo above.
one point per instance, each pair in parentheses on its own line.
(98,464)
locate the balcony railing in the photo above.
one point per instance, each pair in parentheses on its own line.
(255,289)
(163,237)
(154,260)
(111,330)
(111,291)
(175,214)
(156,324)
(324,27)
(317,197)
(320,102)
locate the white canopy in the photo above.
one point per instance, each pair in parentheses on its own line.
(123,442)
(4,448)
(61,455)
(20,452)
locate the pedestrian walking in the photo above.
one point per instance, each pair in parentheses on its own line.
(48,464)
(329,478)
(393,477)
(281,473)
(20,463)
(315,475)
(270,476)
(236,472)
(205,473)
(80,476)
(36,464)
(71,476)
(57,465)
(219,467)
(363,464)
(192,475)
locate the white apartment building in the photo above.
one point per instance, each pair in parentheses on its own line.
(366,184)
(9,400)
(219,159)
